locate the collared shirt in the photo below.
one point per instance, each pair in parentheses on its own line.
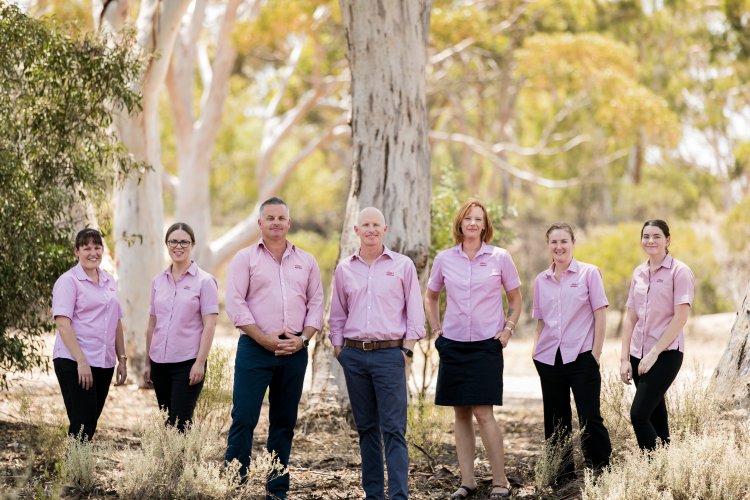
(653,296)
(567,309)
(474,291)
(377,302)
(179,309)
(274,295)
(94,311)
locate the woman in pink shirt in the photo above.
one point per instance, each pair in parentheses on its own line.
(89,335)
(659,301)
(184,307)
(472,337)
(570,308)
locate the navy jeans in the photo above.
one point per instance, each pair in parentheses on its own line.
(582,377)
(255,370)
(649,410)
(84,406)
(174,392)
(376,381)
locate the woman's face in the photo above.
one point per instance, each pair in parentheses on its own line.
(472,224)
(653,241)
(180,246)
(560,245)
(90,255)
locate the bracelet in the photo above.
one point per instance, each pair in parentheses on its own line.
(512,323)
(510,330)
(122,357)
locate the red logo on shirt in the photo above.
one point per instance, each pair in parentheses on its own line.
(573,285)
(186,287)
(297,266)
(389,273)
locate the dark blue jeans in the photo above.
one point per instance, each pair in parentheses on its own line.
(376,381)
(255,370)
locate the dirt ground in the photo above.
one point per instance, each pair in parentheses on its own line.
(325,457)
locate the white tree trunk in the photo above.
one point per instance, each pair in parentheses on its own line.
(387,52)
(138,211)
(732,376)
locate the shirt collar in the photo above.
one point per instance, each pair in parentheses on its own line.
(485,248)
(81,274)
(665,263)
(386,252)
(192,270)
(289,245)
(572,267)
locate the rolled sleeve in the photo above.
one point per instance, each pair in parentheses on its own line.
(337,318)
(684,286)
(597,295)
(414,306)
(209,296)
(238,282)
(64,297)
(314,313)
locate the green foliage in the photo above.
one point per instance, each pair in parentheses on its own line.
(324,248)
(736,226)
(56,100)
(427,425)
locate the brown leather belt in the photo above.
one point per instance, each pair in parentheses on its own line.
(373,345)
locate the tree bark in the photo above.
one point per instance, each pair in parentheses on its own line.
(731,378)
(387,53)
(139,211)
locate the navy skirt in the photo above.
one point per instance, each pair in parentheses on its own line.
(470,373)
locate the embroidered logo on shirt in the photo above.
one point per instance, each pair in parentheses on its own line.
(111,289)
(660,280)
(186,287)
(573,285)
(297,266)
(389,273)
(483,264)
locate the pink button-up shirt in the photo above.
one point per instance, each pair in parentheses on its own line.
(179,309)
(94,311)
(377,302)
(653,297)
(567,309)
(274,295)
(473,288)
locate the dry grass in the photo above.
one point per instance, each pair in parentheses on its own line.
(555,455)
(427,425)
(47,442)
(215,402)
(78,469)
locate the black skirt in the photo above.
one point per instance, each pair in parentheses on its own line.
(470,373)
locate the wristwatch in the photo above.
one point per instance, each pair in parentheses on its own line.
(409,353)
(305,341)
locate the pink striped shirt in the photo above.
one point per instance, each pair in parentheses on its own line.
(567,309)
(179,309)
(274,295)
(474,290)
(377,302)
(653,297)
(94,311)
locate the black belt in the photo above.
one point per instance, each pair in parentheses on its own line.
(373,345)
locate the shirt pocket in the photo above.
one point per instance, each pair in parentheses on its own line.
(296,278)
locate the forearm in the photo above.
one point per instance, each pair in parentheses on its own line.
(252,331)
(149,337)
(431,305)
(600,330)
(627,334)
(515,302)
(68,337)
(207,338)
(673,328)
(309,332)
(119,341)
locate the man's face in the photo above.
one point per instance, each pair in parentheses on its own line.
(371,228)
(274,222)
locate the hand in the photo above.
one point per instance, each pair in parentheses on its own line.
(504,336)
(85,378)
(147,376)
(647,362)
(626,371)
(337,350)
(197,372)
(122,373)
(437,332)
(289,344)
(597,357)
(270,341)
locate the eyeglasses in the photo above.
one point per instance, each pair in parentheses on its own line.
(180,243)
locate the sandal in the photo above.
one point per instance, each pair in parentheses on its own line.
(460,495)
(498,495)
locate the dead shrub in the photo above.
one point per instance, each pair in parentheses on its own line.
(78,468)
(46,441)
(427,425)
(555,455)
(215,401)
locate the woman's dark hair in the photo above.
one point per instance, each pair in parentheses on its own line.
(180,225)
(657,223)
(565,227)
(88,235)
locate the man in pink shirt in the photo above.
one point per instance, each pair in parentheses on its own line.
(376,318)
(274,296)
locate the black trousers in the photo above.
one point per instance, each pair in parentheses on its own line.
(83,406)
(649,410)
(174,392)
(583,378)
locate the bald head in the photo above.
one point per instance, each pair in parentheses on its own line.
(370,213)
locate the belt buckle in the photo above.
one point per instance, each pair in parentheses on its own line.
(366,343)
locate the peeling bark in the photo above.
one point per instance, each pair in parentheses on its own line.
(731,378)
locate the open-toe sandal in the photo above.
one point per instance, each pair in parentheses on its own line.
(499,495)
(466,493)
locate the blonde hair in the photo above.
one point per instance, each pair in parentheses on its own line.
(487,233)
